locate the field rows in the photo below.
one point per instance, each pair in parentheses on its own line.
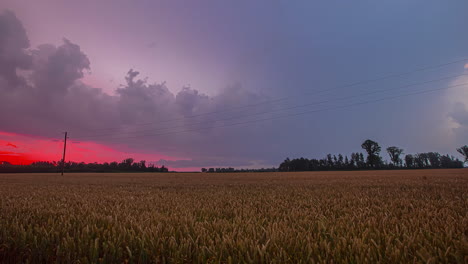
(339,217)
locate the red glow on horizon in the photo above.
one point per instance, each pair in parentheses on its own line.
(15,158)
(23,149)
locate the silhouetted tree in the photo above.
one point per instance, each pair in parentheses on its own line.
(125,165)
(330,161)
(362,163)
(424,157)
(285,165)
(354,160)
(113,165)
(419,160)
(394,153)
(373,149)
(374,161)
(450,162)
(340,164)
(409,161)
(434,159)
(464,152)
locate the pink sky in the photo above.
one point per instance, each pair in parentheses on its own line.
(210,66)
(25,149)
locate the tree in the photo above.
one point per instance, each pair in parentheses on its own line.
(425,159)
(340,161)
(464,152)
(285,165)
(314,164)
(418,161)
(330,161)
(114,165)
(353,161)
(434,159)
(450,162)
(409,160)
(127,163)
(359,159)
(394,153)
(373,149)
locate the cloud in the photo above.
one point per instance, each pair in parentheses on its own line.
(459,114)
(13,50)
(139,100)
(55,69)
(456,111)
(49,98)
(466,66)
(4,143)
(11,145)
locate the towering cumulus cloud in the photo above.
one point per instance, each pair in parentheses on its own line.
(42,94)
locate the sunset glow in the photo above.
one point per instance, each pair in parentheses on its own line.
(24,149)
(243,84)
(243,131)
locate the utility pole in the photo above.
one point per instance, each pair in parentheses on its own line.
(64,150)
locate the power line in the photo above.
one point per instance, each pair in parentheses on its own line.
(385,77)
(279,110)
(303,113)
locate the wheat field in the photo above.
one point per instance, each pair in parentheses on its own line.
(418,216)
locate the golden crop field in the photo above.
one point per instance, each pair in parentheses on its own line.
(311,217)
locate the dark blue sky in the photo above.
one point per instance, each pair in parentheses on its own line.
(242,53)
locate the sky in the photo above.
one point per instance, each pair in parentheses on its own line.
(245,84)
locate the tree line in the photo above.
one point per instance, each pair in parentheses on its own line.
(373,160)
(356,161)
(127,165)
